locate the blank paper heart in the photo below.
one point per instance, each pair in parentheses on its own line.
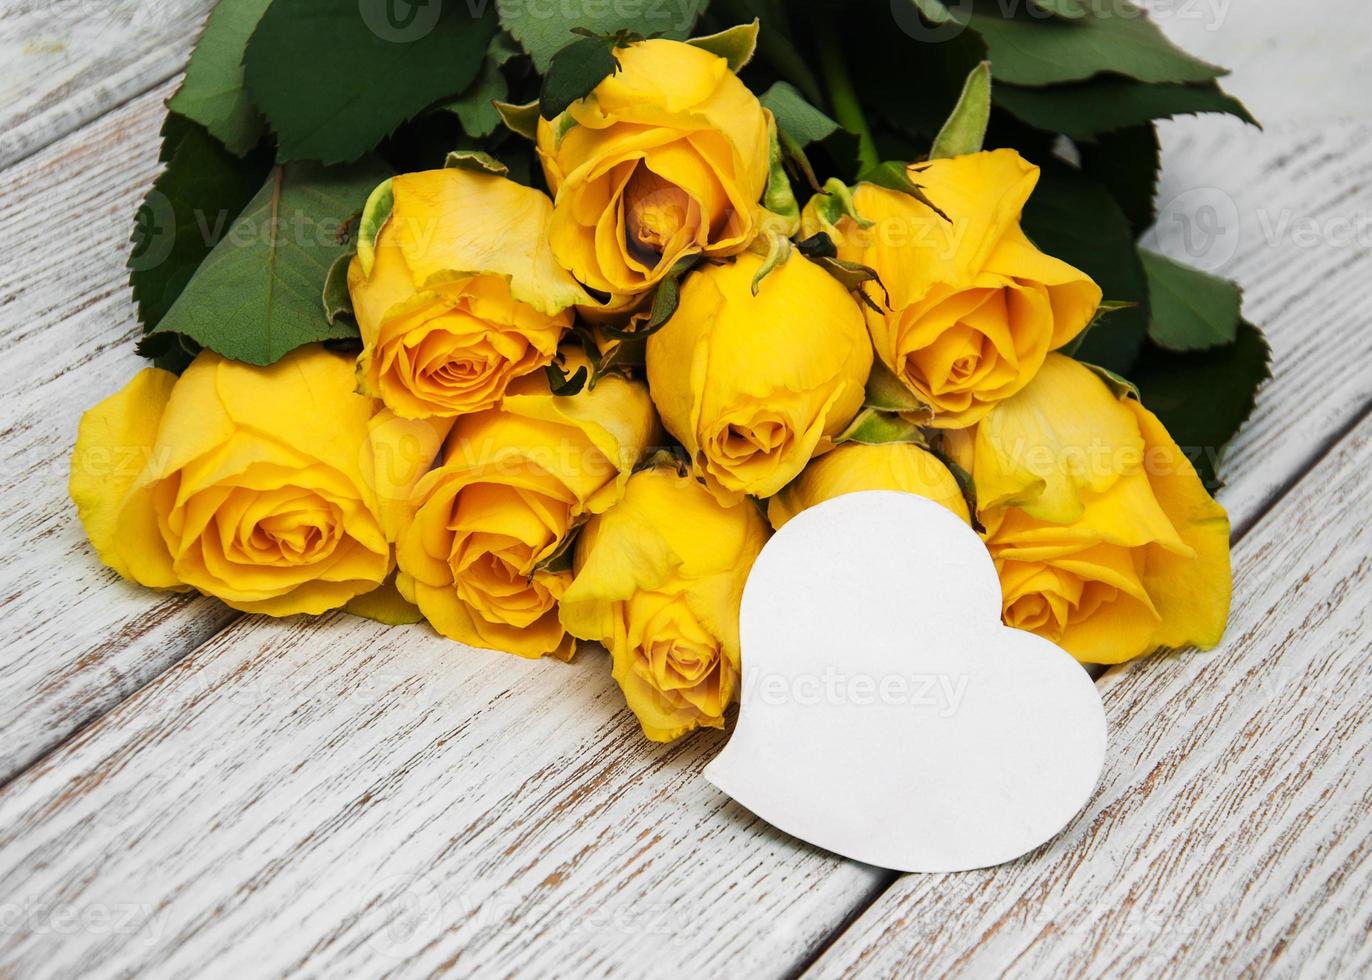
(887,715)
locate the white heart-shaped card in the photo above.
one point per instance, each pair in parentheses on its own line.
(887,715)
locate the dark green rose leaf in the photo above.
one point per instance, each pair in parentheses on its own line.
(796,117)
(1062,8)
(1126,162)
(212,93)
(1189,309)
(338,301)
(1075,219)
(561,384)
(873,427)
(256,296)
(475,107)
(333,79)
(735,45)
(544,29)
(191,205)
(966,126)
(1083,109)
(575,72)
(1114,36)
(1203,397)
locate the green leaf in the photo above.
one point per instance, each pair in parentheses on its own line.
(796,117)
(934,11)
(1062,8)
(894,175)
(620,357)
(1119,386)
(665,301)
(543,29)
(778,251)
(1106,307)
(376,211)
(338,301)
(522,120)
(189,208)
(575,72)
(853,276)
(1190,309)
(889,394)
(1115,36)
(256,296)
(778,197)
(1126,162)
(965,129)
(475,108)
(212,93)
(831,204)
(333,79)
(735,45)
(477,161)
(1203,397)
(1082,110)
(1075,219)
(874,428)
(562,385)
(560,560)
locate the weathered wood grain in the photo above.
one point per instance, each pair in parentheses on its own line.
(77,638)
(66,62)
(338,796)
(1231,834)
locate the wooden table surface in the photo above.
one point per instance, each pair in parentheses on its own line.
(185,789)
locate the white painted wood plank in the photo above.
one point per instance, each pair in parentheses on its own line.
(1232,831)
(76,638)
(68,61)
(339,796)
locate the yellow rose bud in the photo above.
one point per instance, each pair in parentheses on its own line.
(974,306)
(250,484)
(513,483)
(659,578)
(462,294)
(666,158)
(754,386)
(853,467)
(1105,540)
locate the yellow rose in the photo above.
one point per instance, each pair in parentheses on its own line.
(853,467)
(667,158)
(754,386)
(974,306)
(1105,540)
(513,482)
(659,578)
(459,294)
(251,484)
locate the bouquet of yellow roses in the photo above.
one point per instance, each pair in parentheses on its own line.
(534,328)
